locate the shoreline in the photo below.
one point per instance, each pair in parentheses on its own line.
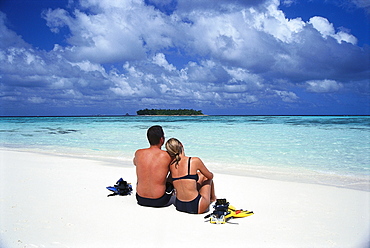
(296,175)
(59,201)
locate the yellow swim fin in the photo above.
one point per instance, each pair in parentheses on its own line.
(224,212)
(240,213)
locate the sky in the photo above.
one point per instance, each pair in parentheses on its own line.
(224,57)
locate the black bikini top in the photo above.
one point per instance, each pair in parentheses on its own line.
(188,176)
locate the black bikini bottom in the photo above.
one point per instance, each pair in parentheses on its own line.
(190,207)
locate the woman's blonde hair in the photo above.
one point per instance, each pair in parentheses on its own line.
(174,149)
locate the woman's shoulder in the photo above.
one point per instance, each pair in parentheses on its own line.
(196,160)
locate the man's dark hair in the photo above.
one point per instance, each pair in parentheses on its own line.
(154,134)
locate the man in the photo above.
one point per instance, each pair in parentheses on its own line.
(152,169)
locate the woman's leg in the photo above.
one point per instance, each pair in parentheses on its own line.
(206,190)
(213,195)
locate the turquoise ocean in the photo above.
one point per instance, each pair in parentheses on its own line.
(329,150)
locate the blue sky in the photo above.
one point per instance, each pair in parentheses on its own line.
(246,57)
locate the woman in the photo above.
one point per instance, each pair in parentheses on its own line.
(191,179)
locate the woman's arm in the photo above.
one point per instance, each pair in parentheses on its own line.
(202,168)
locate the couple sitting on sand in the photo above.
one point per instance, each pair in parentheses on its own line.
(158,170)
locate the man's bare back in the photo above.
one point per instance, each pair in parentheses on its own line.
(152,168)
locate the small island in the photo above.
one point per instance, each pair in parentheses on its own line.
(169,112)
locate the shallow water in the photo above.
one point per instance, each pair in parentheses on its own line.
(332,150)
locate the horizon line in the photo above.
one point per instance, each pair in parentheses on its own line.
(204,115)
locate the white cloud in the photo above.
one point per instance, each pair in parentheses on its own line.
(235,88)
(322,25)
(88,66)
(362,4)
(231,53)
(288,2)
(344,36)
(36,99)
(275,23)
(160,59)
(8,37)
(326,29)
(323,86)
(117,32)
(287,96)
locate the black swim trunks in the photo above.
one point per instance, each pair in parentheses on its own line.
(157,203)
(163,201)
(190,207)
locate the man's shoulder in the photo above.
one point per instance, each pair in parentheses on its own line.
(163,154)
(142,150)
(155,152)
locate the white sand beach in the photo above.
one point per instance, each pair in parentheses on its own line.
(56,201)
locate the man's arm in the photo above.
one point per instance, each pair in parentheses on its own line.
(134,160)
